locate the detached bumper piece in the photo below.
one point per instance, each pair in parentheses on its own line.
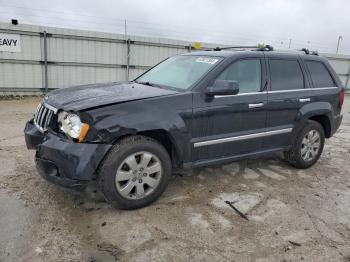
(32,135)
(64,162)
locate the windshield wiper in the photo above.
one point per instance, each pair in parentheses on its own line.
(145,83)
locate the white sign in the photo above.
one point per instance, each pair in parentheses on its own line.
(207,60)
(10,43)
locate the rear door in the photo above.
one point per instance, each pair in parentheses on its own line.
(288,91)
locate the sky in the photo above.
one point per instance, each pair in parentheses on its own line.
(314,24)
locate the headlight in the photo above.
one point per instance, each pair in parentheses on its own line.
(71,125)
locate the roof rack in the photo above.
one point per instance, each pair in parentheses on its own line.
(265,48)
(256,47)
(303,51)
(233,47)
(307,51)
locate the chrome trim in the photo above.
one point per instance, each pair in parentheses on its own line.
(256,105)
(51,107)
(304,99)
(280,91)
(243,94)
(43,116)
(304,89)
(322,88)
(48,118)
(243,137)
(40,115)
(38,127)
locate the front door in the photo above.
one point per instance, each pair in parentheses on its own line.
(226,126)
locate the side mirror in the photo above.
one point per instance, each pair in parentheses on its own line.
(223,88)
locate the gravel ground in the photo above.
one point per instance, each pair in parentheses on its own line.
(293,215)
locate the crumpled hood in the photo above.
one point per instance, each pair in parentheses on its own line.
(87,96)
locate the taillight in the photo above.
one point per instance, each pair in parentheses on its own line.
(341,97)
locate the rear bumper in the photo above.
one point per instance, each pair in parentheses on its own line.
(64,162)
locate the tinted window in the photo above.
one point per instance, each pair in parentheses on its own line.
(286,74)
(246,72)
(319,74)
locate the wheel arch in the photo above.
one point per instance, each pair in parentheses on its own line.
(164,138)
(320,112)
(324,121)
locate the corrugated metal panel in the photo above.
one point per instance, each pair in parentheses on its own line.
(341,65)
(64,76)
(151,55)
(135,73)
(80,57)
(20,76)
(85,51)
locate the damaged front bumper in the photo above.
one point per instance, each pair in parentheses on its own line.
(64,162)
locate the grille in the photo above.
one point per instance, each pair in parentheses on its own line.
(43,117)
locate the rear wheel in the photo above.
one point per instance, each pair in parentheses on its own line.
(307,147)
(135,172)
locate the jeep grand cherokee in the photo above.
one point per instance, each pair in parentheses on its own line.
(191,110)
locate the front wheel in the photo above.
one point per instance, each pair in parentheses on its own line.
(134,173)
(307,147)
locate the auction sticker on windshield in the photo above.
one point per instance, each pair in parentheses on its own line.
(207,60)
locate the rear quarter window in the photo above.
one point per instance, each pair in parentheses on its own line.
(319,74)
(286,74)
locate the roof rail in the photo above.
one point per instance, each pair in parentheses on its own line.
(256,47)
(265,48)
(262,47)
(233,47)
(307,51)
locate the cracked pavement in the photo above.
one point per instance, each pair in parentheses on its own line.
(294,215)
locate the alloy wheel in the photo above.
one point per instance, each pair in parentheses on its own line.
(310,145)
(138,175)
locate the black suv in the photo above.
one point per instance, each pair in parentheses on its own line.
(191,110)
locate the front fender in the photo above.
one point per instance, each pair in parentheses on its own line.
(171,114)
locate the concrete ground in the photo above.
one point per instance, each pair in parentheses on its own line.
(294,215)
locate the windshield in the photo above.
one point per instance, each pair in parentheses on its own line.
(179,72)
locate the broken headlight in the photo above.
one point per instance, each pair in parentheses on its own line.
(72,126)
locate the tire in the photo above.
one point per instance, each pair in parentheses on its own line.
(123,170)
(296,156)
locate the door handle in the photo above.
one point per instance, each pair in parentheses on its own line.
(256,105)
(304,100)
